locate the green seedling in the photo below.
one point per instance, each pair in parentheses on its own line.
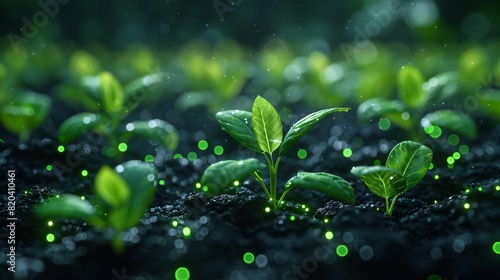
(406,165)
(261,131)
(407,112)
(121,196)
(110,104)
(24,112)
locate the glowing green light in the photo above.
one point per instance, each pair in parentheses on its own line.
(347,152)
(292,218)
(436,177)
(49,167)
(175,223)
(186,231)
(496,247)
(431,166)
(464,149)
(248,258)
(436,132)
(467,191)
(302,154)
(267,209)
(57,196)
(450,160)
(466,205)
(161,182)
(325,220)
(218,150)
(434,277)
(25,192)
(453,139)
(149,158)
(60,148)
(122,147)
(202,145)
(377,162)
(435,201)
(329,235)
(85,173)
(450,166)
(384,124)
(182,273)
(50,237)
(497,188)
(456,155)
(176,156)
(205,189)
(236,183)
(198,185)
(303,206)
(82,197)
(50,223)
(192,156)
(342,250)
(480,189)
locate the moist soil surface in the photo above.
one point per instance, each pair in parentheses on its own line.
(444,228)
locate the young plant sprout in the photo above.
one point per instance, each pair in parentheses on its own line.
(261,131)
(406,165)
(104,94)
(121,196)
(24,112)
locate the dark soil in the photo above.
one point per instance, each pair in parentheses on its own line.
(430,233)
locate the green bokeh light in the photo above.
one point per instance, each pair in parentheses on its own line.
(49,167)
(60,148)
(149,158)
(456,155)
(218,150)
(342,250)
(182,273)
(453,139)
(203,145)
(248,258)
(450,160)
(347,152)
(302,154)
(186,231)
(50,237)
(192,156)
(464,149)
(292,218)
(329,235)
(384,124)
(122,147)
(436,132)
(177,156)
(377,162)
(85,173)
(496,247)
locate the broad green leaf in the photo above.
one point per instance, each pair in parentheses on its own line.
(140,178)
(453,121)
(329,184)
(411,159)
(435,85)
(25,112)
(111,187)
(377,107)
(78,125)
(410,89)
(112,93)
(92,86)
(137,90)
(223,174)
(266,125)
(380,180)
(156,129)
(300,128)
(238,124)
(66,206)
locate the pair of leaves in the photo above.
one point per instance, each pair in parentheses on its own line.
(261,129)
(406,165)
(124,194)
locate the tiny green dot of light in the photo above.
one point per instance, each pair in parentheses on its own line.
(436,177)
(236,183)
(384,124)
(50,237)
(480,189)
(192,156)
(82,197)
(49,167)
(122,147)
(186,231)
(347,152)
(431,166)
(497,188)
(342,250)
(202,145)
(436,132)
(205,188)
(176,156)
(161,182)
(464,149)
(450,160)
(248,258)
(60,148)
(456,155)
(453,139)
(182,273)
(175,223)
(466,205)
(50,223)
(329,235)
(377,162)
(496,247)
(302,154)
(267,209)
(292,218)
(85,173)
(218,150)
(198,185)
(149,158)
(325,220)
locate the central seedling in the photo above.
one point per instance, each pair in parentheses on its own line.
(261,131)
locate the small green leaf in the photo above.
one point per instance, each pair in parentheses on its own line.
(66,206)
(156,129)
(410,89)
(300,128)
(329,184)
(380,180)
(137,90)
(266,125)
(111,187)
(377,107)
(411,159)
(78,125)
(223,174)
(238,124)
(453,121)
(112,93)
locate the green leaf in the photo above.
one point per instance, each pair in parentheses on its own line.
(156,129)
(223,174)
(300,128)
(78,125)
(411,159)
(266,125)
(140,178)
(489,99)
(380,180)
(136,90)
(377,107)
(410,89)
(329,184)
(111,187)
(452,121)
(238,124)
(66,206)
(112,93)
